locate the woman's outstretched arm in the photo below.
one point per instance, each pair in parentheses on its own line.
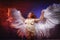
(40,18)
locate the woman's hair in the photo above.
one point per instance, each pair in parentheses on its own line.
(31,15)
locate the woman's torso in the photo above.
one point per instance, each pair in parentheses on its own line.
(29,23)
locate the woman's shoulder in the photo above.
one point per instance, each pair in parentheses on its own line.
(29,20)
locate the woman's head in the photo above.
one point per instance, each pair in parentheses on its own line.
(31,15)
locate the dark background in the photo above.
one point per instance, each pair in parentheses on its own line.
(25,6)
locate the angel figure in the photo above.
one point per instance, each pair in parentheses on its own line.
(33,26)
(24,25)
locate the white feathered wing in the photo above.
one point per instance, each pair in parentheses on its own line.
(18,22)
(52,16)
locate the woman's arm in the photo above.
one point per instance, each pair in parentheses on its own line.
(41,17)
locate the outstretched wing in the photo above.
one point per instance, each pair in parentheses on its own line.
(17,21)
(52,16)
(16,17)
